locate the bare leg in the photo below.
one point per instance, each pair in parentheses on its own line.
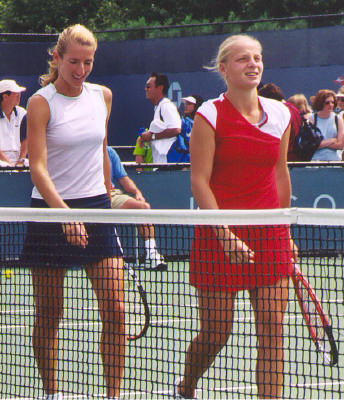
(216,320)
(107,281)
(269,304)
(48,296)
(146,231)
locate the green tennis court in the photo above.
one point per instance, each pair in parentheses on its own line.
(155,361)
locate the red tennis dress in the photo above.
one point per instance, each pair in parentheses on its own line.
(243,177)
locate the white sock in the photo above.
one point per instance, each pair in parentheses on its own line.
(150,245)
(55,396)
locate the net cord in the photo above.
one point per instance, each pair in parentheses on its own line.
(297,216)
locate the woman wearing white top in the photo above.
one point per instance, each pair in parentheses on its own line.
(67,121)
(323,104)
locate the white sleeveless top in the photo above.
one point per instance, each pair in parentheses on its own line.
(75,134)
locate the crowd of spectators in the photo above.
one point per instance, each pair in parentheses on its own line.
(167,137)
(325,112)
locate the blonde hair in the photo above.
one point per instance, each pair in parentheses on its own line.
(74,33)
(299,100)
(225,49)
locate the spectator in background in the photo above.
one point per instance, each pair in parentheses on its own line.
(13,151)
(192,104)
(340,111)
(166,124)
(340,101)
(272,91)
(300,102)
(331,127)
(179,151)
(132,198)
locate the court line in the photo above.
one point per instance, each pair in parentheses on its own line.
(154,321)
(152,306)
(320,384)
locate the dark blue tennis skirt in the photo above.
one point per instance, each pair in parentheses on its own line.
(45,244)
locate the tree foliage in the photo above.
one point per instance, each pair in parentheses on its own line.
(51,16)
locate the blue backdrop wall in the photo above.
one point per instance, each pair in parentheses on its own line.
(299,61)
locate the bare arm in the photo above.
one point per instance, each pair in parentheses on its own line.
(129,186)
(283,181)
(38,114)
(106,164)
(202,151)
(337,143)
(282,173)
(23,149)
(165,134)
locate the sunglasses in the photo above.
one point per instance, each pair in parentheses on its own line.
(329,102)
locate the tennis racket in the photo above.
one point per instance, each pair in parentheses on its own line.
(137,309)
(317,322)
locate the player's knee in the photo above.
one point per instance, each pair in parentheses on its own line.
(142,205)
(135,204)
(49,316)
(215,339)
(114,312)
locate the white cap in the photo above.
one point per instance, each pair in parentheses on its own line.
(340,95)
(10,86)
(190,99)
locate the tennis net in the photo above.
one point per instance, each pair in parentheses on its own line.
(161,329)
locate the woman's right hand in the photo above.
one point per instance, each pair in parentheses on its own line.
(76,234)
(235,249)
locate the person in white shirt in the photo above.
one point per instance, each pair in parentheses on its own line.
(166,124)
(12,151)
(67,135)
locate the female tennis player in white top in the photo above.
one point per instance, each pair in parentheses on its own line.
(67,121)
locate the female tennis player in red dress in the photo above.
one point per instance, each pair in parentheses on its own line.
(238,161)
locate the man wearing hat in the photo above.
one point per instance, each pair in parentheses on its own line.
(12,151)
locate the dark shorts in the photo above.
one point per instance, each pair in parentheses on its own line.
(45,244)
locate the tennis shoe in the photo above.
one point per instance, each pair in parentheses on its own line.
(177,395)
(155,262)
